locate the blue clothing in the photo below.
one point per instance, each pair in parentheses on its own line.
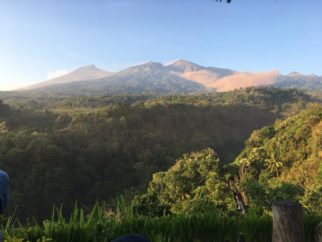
(4,190)
(131,238)
(4,193)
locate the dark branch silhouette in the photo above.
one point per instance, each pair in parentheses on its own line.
(227,1)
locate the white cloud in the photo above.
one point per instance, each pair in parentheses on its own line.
(8,86)
(57,73)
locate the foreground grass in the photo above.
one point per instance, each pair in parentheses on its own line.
(99,226)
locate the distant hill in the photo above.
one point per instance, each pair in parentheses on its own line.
(85,73)
(300,81)
(180,76)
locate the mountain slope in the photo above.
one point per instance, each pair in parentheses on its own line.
(184,66)
(152,78)
(85,73)
(300,81)
(206,76)
(221,79)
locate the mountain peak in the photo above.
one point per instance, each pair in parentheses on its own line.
(152,64)
(88,72)
(182,62)
(149,66)
(182,65)
(87,68)
(295,73)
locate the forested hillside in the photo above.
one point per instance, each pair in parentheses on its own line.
(285,161)
(279,162)
(90,149)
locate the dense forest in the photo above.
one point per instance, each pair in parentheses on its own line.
(284,160)
(279,162)
(59,150)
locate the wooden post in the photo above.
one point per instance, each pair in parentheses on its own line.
(319,232)
(288,222)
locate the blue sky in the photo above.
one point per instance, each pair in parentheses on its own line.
(40,38)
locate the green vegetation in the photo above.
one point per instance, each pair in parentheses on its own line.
(101,226)
(195,184)
(80,148)
(191,148)
(284,162)
(279,162)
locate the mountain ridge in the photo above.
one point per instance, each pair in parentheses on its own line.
(180,76)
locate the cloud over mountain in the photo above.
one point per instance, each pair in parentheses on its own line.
(222,79)
(242,80)
(57,73)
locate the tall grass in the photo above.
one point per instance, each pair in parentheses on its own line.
(101,226)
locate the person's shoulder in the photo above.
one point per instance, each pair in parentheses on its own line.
(4,174)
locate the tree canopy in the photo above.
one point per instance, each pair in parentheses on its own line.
(280,162)
(58,150)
